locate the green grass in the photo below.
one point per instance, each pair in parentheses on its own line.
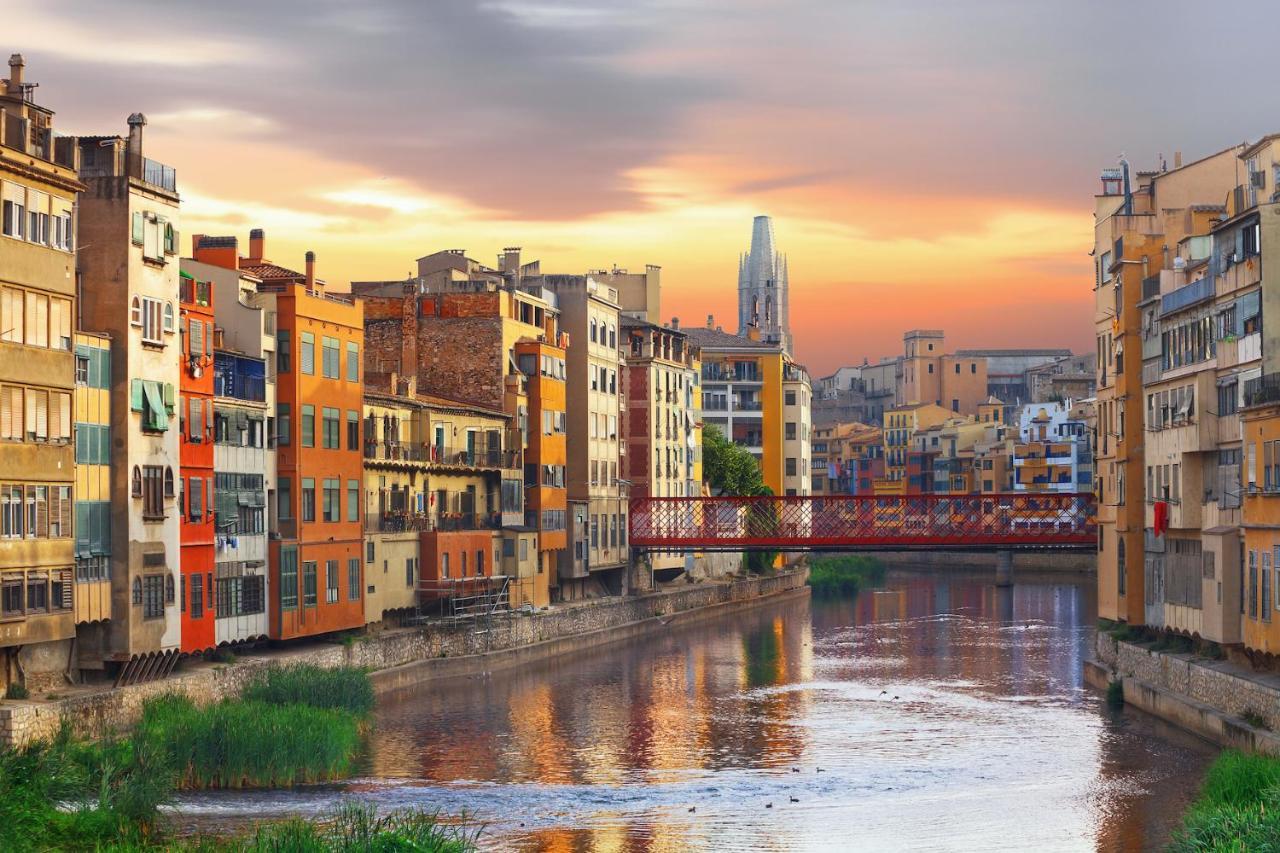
(342,688)
(356,828)
(250,743)
(844,576)
(1238,809)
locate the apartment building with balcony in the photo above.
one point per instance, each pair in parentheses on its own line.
(900,424)
(744,381)
(38,184)
(846,458)
(956,382)
(196,452)
(1054,451)
(316,569)
(660,417)
(244,443)
(474,337)
(129,274)
(589,314)
(92,494)
(1157,435)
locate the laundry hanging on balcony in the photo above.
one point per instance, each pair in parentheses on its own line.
(1160,521)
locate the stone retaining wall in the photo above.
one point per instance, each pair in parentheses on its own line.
(1205,696)
(111,710)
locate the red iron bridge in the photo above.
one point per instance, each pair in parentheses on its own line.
(995,522)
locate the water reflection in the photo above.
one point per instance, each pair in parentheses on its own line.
(935,714)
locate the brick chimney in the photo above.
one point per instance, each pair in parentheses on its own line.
(675,323)
(257,244)
(137,121)
(16,63)
(311,270)
(711,321)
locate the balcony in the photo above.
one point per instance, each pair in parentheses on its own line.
(1186,296)
(1262,391)
(394,521)
(747,406)
(440,454)
(239,377)
(194,292)
(1151,287)
(159,175)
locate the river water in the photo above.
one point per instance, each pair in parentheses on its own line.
(939,713)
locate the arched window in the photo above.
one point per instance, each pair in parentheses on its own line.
(168,317)
(593,330)
(136,487)
(135,311)
(137,591)
(168,482)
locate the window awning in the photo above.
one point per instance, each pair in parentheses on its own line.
(158,415)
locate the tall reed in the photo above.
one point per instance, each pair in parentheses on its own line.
(346,688)
(239,743)
(844,575)
(1238,808)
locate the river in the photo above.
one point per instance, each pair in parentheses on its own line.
(939,713)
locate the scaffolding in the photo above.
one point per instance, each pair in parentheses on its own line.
(468,601)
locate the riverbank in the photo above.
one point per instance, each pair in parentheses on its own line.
(404,657)
(1036,562)
(1220,701)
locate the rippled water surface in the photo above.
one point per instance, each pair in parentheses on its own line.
(935,714)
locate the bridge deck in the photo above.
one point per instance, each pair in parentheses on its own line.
(1016,521)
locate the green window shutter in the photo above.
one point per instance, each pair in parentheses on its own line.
(138,228)
(168,396)
(135,395)
(104,445)
(82,529)
(157,416)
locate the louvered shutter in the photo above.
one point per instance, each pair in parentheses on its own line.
(6,414)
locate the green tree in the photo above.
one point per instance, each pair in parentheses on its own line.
(731,470)
(728,468)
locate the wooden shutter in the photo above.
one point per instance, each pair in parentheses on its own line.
(137,228)
(42,413)
(6,412)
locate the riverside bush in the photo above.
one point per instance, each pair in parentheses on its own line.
(844,575)
(343,688)
(238,743)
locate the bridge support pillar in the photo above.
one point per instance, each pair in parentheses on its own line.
(1004,568)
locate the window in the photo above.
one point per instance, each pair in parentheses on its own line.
(151,488)
(791,431)
(282,351)
(791,466)
(196,421)
(197,596)
(153,587)
(195,497)
(331,436)
(353,578)
(15,210)
(284,424)
(309,583)
(308,499)
(329,357)
(284,498)
(353,500)
(330,498)
(353,430)
(409,571)
(308,353)
(353,361)
(308,425)
(444,565)
(330,581)
(288,578)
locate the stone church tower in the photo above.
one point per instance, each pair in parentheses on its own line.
(763,296)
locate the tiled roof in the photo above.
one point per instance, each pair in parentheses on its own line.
(712,338)
(266,272)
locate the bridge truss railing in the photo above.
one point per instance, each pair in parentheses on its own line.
(908,522)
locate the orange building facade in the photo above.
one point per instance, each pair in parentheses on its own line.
(196,501)
(316,577)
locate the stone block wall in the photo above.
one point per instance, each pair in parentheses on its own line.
(114,710)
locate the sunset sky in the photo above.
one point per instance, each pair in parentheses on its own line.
(927,164)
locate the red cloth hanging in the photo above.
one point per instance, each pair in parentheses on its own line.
(1160,523)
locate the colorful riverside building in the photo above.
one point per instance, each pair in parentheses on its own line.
(38,184)
(660,422)
(315,565)
(1168,528)
(128,230)
(195,483)
(244,455)
(92,499)
(467,333)
(760,399)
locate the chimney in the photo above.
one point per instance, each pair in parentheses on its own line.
(195,244)
(675,323)
(137,121)
(711,321)
(1177,159)
(311,270)
(257,244)
(16,62)
(753,333)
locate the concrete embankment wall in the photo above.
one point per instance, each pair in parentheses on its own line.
(405,657)
(1073,562)
(1209,698)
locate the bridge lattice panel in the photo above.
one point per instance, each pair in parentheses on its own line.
(1012,521)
